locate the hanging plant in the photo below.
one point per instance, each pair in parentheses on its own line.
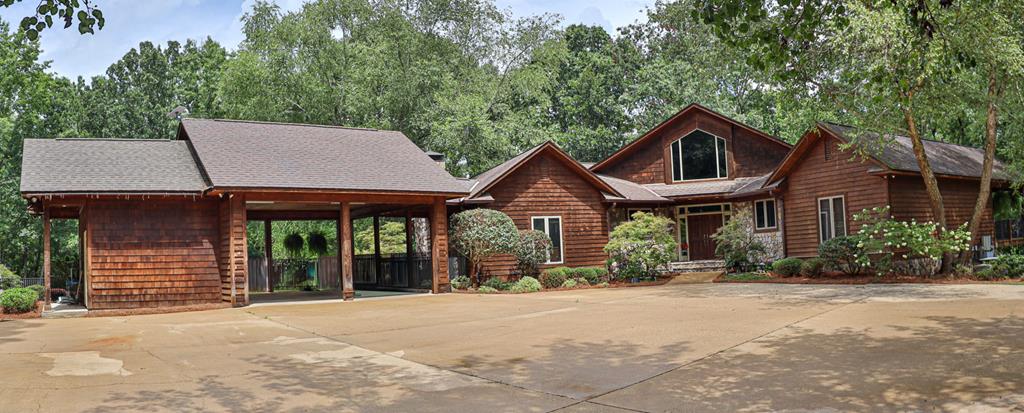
(293,243)
(317,243)
(1007,205)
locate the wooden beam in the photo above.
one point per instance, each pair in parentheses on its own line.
(376,249)
(46,257)
(268,252)
(439,245)
(366,198)
(345,251)
(286,215)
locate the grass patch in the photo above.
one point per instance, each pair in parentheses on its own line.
(747,276)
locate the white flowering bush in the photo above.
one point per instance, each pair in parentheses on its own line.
(639,247)
(885,243)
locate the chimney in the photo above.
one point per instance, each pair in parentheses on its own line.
(437,157)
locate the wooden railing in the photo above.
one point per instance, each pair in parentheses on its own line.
(394,271)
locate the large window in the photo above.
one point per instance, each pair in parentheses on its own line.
(699,155)
(553,227)
(831,217)
(764,214)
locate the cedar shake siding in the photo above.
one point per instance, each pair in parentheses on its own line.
(152,253)
(909,200)
(545,186)
(232,260)
(747,154)
(813,177)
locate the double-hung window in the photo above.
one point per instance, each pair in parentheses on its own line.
(553,227)
(764,214)
(831,217)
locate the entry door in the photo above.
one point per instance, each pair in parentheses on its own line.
(700,228)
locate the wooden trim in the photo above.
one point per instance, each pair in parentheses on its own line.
(259,193)
(46,257)
(682,171)
(831,205)
(664,124)
(561,235)
(775,208)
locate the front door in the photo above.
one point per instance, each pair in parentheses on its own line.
(700,228)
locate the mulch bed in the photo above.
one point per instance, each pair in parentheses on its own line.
(38,312)
(865,279)
(614,284)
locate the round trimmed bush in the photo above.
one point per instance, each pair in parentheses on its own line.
(526,285)
(39,289)
(18,300)
(812,268)
(497,283)
(460,283)
(570,283)
(787,267)
(592,275)
(8,279)
(555,277)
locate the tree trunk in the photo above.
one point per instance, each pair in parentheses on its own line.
(985,190)
(931,184)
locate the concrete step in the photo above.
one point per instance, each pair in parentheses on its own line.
(697,266)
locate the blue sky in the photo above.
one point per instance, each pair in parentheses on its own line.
(132,21)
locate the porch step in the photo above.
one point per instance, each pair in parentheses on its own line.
(697,266)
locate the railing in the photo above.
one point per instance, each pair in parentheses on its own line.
(395,271)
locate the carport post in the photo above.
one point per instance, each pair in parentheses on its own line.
(439,245)
(46,257)
(268,252)
(345,251)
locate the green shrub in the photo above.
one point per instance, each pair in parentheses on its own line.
(497,283)
(486,290)
(602,285)
(18,300)
(592,275)
(461,282)
(482,233)
(640,247)
(1008,266)
(582,282)
(526,285)
(842,254)
(747,276)
(570,283)
(812,267)
(737,243)
(987,275)
(39,289)
(787,267)
(8,279)
(532,250)
(554,277)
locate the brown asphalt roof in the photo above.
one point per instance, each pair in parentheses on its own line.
(702,187)
(264,155)
(898,153)
(109,166)
(631,191)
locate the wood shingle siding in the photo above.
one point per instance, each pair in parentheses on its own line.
(909,200)
(815,177)
(152,253)
(545,186)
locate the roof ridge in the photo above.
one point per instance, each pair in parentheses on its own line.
(903,136)
(310,125)
(80,139)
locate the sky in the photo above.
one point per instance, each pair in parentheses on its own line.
(129,22)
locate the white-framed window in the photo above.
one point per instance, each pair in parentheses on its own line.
(699,155)
(764,214)
(831,217)
(631,211)
(553,227)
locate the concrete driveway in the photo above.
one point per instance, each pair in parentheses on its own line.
(705,347)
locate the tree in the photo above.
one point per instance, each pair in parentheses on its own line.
(890,66)
(641,246)
(479,234)
(89,16)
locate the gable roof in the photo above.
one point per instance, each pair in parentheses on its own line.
(636,143)
(109,166)
(493,176)
(709,187)
(632,191)
(895,153)
(265,155)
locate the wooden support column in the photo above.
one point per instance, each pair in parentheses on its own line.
(408,243)
(439,245)
(46,257)
(345,251)
(377,267)
(268,252)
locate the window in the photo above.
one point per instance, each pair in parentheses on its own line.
(831,217)
(764,214)
(699,155)
(553,227)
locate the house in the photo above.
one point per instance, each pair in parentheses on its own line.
(823,185)
(699,168)
(696,167)
(163,222)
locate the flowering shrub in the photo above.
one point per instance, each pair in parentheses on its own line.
(532,250)
(737,243)
(482,233)
(639,247)
(886,242)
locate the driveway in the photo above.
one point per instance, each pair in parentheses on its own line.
(704,347)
